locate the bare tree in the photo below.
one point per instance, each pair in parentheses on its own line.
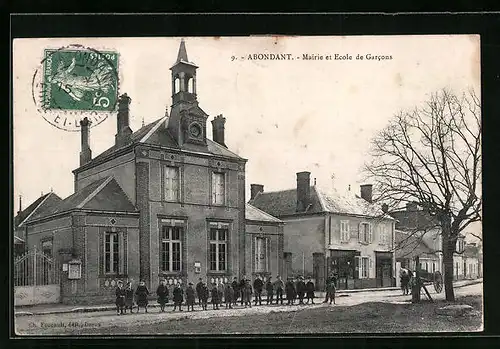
(432,155)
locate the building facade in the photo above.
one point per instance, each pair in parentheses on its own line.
(416,227)
(164,201)
(327,232)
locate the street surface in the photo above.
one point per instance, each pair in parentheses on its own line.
(108,322)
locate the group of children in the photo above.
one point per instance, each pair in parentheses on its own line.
(222,293)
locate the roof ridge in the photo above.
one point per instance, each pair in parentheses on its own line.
(153,129)
(36,208)
(220,146)
(94,193)
(319,194)
(265,213)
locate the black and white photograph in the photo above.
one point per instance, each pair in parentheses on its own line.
(281,185)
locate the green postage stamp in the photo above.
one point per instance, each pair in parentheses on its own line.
(79,79)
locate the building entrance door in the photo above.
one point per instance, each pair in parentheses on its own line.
(342,263)
(383,269)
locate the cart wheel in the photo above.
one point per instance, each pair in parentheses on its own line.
(438,282)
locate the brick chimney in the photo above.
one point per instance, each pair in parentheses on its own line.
(255,189)
(303,190)
(218,129)
(86,152)
(123,130)
(366,192)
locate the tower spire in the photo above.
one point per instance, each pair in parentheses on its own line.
(182,55)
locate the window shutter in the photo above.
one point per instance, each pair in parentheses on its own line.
(175,183)
(167,183)
(268,254)
(348,233)
(360,232)
(357,268)
(214,187)
(254,253)
(121,253)
(370,233)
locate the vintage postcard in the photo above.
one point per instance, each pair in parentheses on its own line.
(247,185)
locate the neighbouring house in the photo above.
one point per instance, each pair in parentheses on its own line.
(36,207)
(421,226)
(264,243)
(164,201)
(326,232)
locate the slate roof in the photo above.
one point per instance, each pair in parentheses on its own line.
(414,220)
(410,245)
(101,195)
(252,213)
(284,202)
(471,251)
(155,133)
(40,205)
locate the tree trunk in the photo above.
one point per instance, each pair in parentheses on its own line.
(448,249)
(448,275)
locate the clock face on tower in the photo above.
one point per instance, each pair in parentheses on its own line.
(195,130)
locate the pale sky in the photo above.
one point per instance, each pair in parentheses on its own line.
(283,116)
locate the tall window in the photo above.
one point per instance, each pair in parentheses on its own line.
(171,249)
(218,188)
(111,253)
(261,254)
(344,231)
(364,266)
(171,183)
(383,237)
(218,249)
(365,233)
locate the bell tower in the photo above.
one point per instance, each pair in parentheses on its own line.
(187,121)
(183,78)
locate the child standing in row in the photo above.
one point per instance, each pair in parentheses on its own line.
(190,298)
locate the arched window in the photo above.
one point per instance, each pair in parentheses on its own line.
(177,84)
(190,85)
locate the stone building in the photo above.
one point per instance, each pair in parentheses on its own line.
(325,232)
(425,230)
(164,201)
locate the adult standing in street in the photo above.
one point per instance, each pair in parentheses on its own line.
(258,284)
(269,291)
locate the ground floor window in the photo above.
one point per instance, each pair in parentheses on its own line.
(261,254)
(171,249)
(218,249)
(364,265)
(111,253)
